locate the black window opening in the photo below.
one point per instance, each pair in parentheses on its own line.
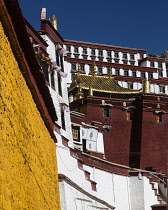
(76,133)
(62,63)
(52,80)
(63,119)
(57,58)
(44,67)
(59,85)
(106,113)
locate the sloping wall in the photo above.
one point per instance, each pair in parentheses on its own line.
(28,167)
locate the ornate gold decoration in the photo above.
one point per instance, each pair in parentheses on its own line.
(124,104)
(94,71)
(146,86)
(158,106)
(54,22)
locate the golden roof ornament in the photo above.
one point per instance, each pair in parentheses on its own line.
(110,72)
(94,71)
(79,93)
(54,22)
(146,86)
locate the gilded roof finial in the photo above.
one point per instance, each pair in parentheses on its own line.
(146,86)
(54,22)
(94,71)
(79,93)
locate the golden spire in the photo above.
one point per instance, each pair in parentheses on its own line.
(146,86)
(79,93)
(54,22)
(90,91)
(94,71)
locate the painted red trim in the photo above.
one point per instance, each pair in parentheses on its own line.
(47,27)
(115,65)
(159,81)
(33,33)
(103,46)
(152,59)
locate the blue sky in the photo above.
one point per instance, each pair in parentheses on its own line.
(141,24)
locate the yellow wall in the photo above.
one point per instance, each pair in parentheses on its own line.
(28,170)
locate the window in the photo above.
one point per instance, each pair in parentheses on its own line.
(159,118)
(82,67)
(73,66)
(152,64)
(160,73)
(166,73)
(129,115)
(150,75)
(124,62)
(85,57)
(100,52)
(44,67)
(62,63)
(100,69)
(109,54)
(59,85)
(134,73)
(84,50)
(93,51)
(116,55)
(76,134)
(76,50)
(132,56)
(52,80)
(130,85)
(141,56)
(143,75)
(124,55)
(117,71)
(63,119)
(132,63)
(116,61)
(100,59)
(161,88)
(76,56)
(106,113)
(93,58)
(160,65)
(109,60)
(69,48)
(126,73)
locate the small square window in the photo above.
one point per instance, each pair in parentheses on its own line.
(73,66)
(106,113)
(109,54)
(69,48)
(150,76)
(124,55)
(85,57)
(93,51)
(130,85)
(84,50)
(117,72)
(126,73)
(100,52)
(82,68)
(160,73)
(143,75)
(124,62)
(116,55)
(134,73)
(100,59)
(152,64)
(100,69)
(132,63)
(76,50)
(132,56)
(160,65)
(76,56)
(161,88)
